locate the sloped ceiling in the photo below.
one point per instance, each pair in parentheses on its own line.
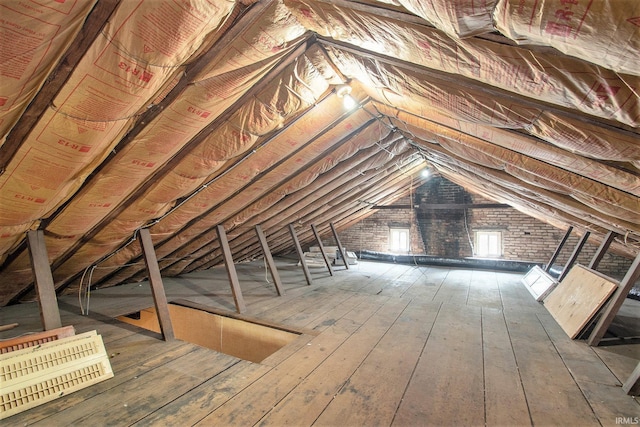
(177,116)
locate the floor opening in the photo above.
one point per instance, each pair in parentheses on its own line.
(228,333)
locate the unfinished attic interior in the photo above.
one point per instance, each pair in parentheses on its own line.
(332,213)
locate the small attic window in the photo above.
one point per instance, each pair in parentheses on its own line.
(399,239)
(488,244)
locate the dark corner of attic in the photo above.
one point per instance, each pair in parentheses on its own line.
(319,212)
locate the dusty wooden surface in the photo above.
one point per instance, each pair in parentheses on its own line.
(393,345)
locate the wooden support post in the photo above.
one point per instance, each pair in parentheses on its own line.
(303,262)
(157,287)
(615,303)
(604,247)
(321,246)
(340,248)
(45,288)
(632,385)
(231,269)
(267,256)
(574,255)
(558,249)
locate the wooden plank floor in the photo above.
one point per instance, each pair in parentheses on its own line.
(391,345)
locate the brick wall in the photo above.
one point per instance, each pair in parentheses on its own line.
(526,238)
(373,232)
(444,232)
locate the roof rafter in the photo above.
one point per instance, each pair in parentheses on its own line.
(281,211)
(467,83)
(92,27)
(168,166)
(262,173)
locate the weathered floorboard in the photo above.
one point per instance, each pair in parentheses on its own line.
(316,391)
(372,394)
(505,402)
(548,385)
(191,407)
(455,347)
(250,405)
(134,399)
(595,380)
(385,344)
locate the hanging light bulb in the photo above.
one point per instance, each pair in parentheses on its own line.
(344,92)
(348,102)
(425,173)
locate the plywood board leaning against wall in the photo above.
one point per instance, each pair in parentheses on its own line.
(577,299)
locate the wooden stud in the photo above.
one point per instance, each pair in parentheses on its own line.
(267,256)
(574,255)
(615,303)
(558,249)
(340,248)
(157,287)
(321,246)
(45,288)
(604,247)
(303,262)
(632,385)
(231,270)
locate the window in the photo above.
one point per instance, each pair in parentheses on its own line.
(489,244)
(399,239)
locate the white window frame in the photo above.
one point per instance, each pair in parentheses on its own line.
(399,231)
(488,243)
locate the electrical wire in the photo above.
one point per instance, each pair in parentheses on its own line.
(80,290)
(466,227)
(88,292)
(266,277)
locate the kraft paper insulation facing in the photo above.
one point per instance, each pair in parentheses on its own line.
(121,227)
(207,242)
(554,135)
(551,78)
(34,38)
(526,145)
(95,108)
(246,206)
(456,18)
(195,108)
(602,32)
(500,183)
(415,89)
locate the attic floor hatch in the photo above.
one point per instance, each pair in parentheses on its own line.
(244,338)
